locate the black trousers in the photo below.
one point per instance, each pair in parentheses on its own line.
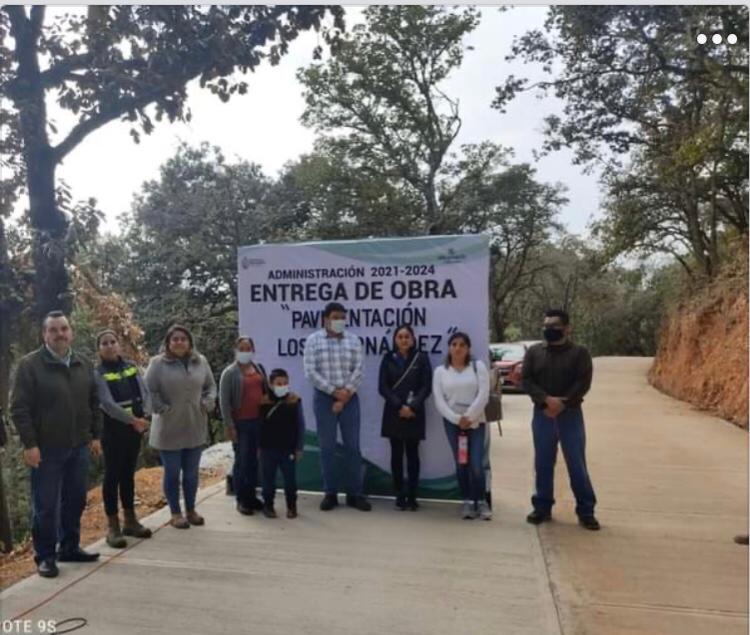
(410,447)
(121,445)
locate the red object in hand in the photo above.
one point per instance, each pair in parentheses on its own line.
(463,448)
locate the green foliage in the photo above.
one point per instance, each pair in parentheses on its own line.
(512,334)
(667,117)
(615,310)
(17,489)
(194,217)
(114,61)
(386,163)
(379,98)
(332,198)
(117,62)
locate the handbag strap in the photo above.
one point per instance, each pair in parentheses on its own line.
(406,372)
(274,408)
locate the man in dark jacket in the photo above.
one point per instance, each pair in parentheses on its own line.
(557,374)
(55,408)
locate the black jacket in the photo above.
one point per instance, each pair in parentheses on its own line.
(557,371)
(282,425)
(418,382)
(53,405)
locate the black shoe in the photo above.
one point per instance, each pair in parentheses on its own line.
(400,502)
(358,502)
(256,504)
(589,522)
(537,518)
(47,568)
(229,487)
(329,502)
(742,539)
(79,555)
(413,504)
(245,510)
(269,511)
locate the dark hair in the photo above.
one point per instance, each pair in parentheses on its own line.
(558,313)
(101,334)
(331,307)
(401,327)
(52,315)
(172,330)
(277,372)
(455,336)
(244,338)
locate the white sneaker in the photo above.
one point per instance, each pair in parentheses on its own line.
(485,513)
(467,510)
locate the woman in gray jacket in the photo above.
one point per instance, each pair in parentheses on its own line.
(242,389)
(183,392)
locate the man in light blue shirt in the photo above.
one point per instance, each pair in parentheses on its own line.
(333,364)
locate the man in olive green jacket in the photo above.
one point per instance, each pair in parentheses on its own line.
(55,408)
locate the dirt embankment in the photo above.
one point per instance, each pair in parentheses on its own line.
(702,356)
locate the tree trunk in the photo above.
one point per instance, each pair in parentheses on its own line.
(433,224)
(499,326)
(47,221)
(6,532)
(6,319)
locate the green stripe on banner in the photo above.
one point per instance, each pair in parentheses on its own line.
(377,480)
(428,250)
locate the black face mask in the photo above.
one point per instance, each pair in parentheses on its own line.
(552,334)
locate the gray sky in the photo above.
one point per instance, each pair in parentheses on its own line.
(263,126)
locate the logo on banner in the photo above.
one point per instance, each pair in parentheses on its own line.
(451,257)
(252,262)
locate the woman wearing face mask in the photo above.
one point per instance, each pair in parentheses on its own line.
(183,392)
(405,382)
(126,405)
(461,387)
(242,388)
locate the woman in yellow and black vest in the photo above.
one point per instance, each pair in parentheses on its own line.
(126,404)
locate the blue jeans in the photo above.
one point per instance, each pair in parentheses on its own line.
(568,429)
(348,420)
(58,498)
(245,470)
(272,459)
(471,480)
(186,461)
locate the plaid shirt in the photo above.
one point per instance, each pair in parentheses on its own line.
(333,362)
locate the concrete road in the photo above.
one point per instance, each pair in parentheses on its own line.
(672,485)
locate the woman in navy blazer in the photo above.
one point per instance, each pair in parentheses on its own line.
(405,382)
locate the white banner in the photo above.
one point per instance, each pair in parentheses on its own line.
(438,285)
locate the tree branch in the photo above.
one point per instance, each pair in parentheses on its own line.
(86,127)
(37,19)
(56,73)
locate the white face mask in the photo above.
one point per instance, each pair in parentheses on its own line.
(338,326)
(281,391)
(244,357)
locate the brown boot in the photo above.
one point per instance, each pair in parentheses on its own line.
(115,539)
(131,526)
(178,521)
(194,518)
